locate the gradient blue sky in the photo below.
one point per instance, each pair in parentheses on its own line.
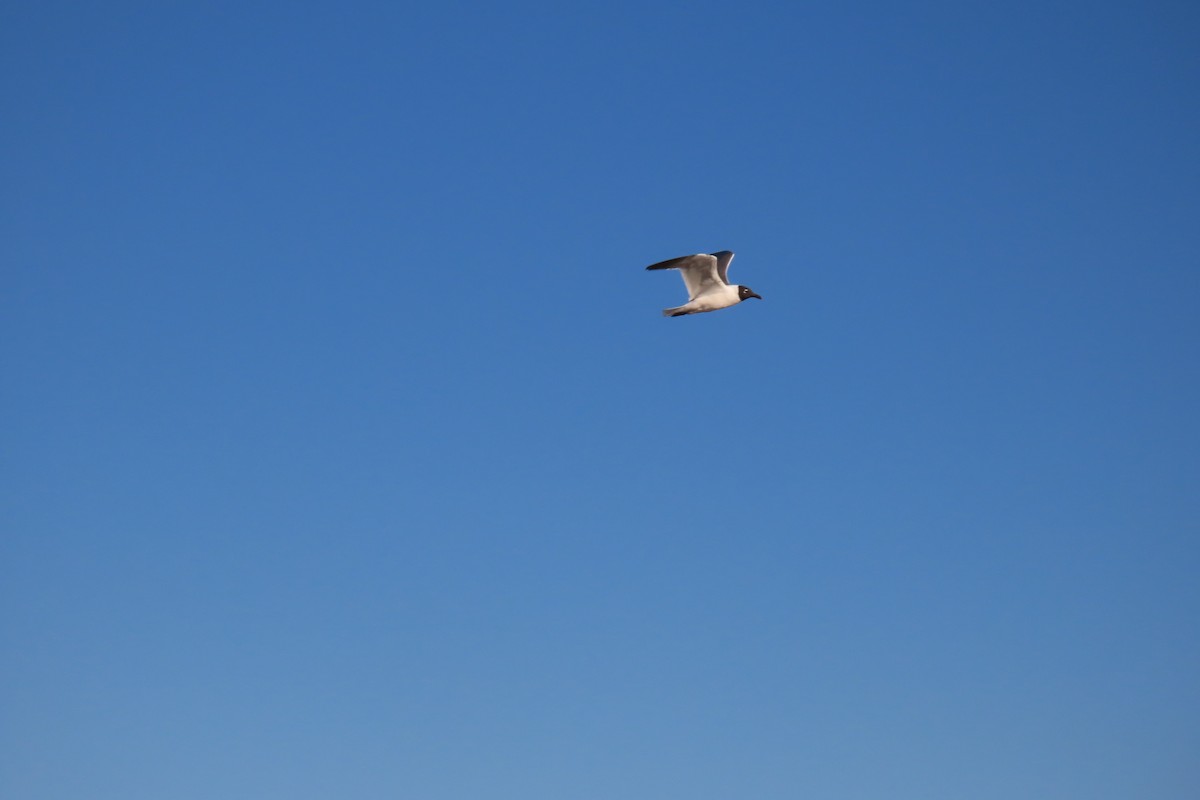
(346,453)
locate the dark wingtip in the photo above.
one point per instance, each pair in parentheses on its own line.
(670,263)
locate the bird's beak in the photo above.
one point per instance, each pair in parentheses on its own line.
(752,294)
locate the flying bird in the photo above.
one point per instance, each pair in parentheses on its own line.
(708,287)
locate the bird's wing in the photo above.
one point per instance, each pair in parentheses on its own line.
(699,272)
(723,259)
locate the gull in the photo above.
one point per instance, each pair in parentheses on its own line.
(708,288)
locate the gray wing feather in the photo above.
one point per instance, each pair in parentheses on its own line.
(671,263)
(699,272)
(723,258)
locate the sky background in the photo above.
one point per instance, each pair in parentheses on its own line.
(346,453)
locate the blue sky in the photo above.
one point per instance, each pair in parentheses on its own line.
(346,452)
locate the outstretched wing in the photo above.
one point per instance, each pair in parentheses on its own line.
(723,258)
(699,272)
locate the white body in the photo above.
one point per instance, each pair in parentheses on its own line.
(713,297)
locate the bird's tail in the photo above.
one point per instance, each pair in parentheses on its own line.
(677,311)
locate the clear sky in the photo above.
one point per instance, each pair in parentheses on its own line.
(346,453)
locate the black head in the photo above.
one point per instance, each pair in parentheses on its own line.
(746,291)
